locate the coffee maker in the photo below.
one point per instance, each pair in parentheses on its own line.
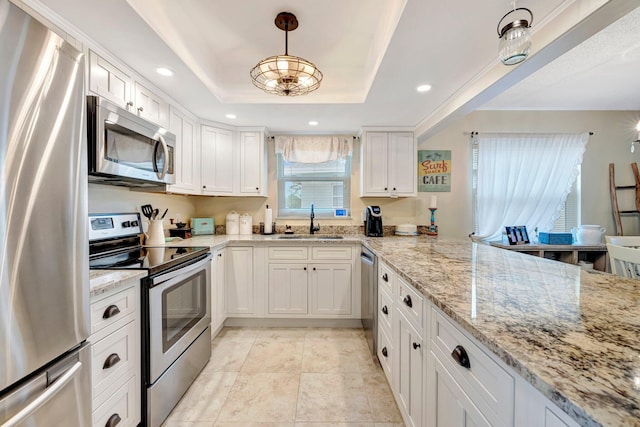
(373,221)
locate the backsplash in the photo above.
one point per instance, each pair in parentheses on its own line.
(347,230)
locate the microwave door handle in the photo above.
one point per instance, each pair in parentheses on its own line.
(165,165)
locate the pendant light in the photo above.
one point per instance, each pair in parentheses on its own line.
(286,75)
(515,39)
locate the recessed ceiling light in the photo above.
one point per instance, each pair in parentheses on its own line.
(423,88)
(164,71)
(230,116)
(313,123)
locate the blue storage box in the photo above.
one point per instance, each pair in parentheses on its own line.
(551,238)
(200,226)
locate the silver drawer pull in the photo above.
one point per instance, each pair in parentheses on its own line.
(460,355)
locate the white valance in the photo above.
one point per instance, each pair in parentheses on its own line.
(313,148)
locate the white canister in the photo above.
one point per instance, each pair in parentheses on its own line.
(246,224)
(233,223)
(588,234)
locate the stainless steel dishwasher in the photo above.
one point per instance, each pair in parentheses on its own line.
(369,290)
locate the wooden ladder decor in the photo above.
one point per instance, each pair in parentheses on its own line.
(613,188)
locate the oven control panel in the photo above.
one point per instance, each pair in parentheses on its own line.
(109,226)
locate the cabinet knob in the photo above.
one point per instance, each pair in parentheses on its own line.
(113,420)
(111,361)
(257,188)
(129,104)
(111,311)
(384,352)
(407,300)
(305,268)
(394,188)
(416,345)
(385,277)
(385,310)
(460,355)
(314,269)
(204,186)
(385,188)
(220,255)
(140,109)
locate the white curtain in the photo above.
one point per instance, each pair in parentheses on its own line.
(314,149)
(524,179)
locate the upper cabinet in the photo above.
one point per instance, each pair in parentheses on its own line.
(110,82)
(187,153)
(233,163)
(388,164)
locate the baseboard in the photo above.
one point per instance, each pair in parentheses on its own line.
(292,323)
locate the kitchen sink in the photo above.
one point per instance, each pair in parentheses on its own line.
(309,236)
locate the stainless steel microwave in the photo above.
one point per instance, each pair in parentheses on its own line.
(125,149)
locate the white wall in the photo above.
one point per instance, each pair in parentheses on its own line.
(613,133)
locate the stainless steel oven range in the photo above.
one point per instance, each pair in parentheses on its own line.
(176,312)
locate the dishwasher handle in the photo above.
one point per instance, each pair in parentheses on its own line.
(366,258)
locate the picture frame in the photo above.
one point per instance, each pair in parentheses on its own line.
(517,235)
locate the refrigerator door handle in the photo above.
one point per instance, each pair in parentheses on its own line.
(51,391)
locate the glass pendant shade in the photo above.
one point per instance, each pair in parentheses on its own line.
(515,39)
(286,75)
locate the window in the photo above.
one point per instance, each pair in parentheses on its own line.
(526,178)
(327,185)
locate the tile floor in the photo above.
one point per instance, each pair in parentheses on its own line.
(288,378)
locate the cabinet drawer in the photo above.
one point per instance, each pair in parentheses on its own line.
(331,252)
(385,310)
(113,358)
(385,354)
(386,278)
(490,387)
(409,302)
(113,308)
(120,405)
(289,253)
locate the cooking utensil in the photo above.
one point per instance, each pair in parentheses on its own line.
(155,213)
(165,212)
(147,211)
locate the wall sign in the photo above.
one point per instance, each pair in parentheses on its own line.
(434,170)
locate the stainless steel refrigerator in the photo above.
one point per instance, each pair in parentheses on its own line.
(44,273)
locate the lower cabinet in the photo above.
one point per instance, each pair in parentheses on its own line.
(410,373)
(218,303)
(449,405)
(239,280)
(116,357)
(320,289)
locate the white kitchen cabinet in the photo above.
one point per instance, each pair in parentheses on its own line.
(409,363)
(449,406)
(116,355)
(239,280)
(218,304)
(150,106)
(253,164)
(287,291)
(108,81)
(217,160)
(187,153)
(388,164)
(331,289)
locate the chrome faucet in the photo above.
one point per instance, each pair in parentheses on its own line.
(313,229)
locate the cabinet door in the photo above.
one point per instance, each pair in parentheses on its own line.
(409,368)
(331,289)
(375,164)
(218,306)
(187,158)
(109,82)
(217,161)
(150,106)
(450,406)
(239,275)
(287,289)
(252,164)
(403,169)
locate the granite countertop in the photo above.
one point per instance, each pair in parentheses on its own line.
(573,334)
(101,281)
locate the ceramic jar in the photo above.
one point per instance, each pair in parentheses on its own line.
(587,234)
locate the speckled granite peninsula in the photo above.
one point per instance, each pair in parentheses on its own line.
(573,334)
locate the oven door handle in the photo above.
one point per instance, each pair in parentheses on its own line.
(180,271)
